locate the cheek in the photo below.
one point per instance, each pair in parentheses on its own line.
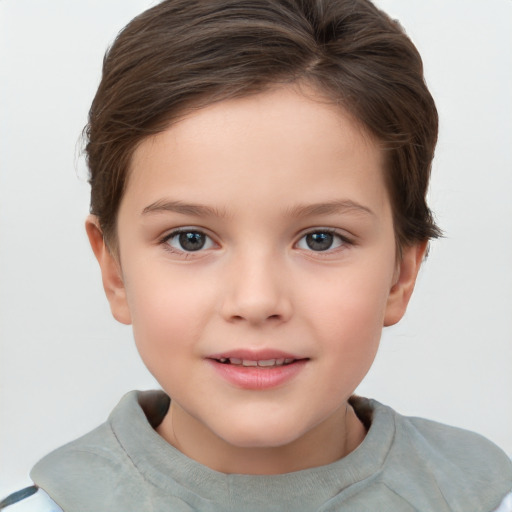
(353,301)
(349,319)
(351,341)
(168,313)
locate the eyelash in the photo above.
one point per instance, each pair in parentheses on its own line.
(342,241)
(165,241)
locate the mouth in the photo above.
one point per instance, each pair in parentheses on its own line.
(260,363)
(262,369)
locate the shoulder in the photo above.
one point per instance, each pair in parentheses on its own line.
(98,452)
(93,451)
(506,504)
(100,470)
(466,453)
(90,466)
(462,467)
(30,499)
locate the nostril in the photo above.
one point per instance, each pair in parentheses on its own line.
(255,308)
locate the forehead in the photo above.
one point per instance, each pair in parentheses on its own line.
(288,144)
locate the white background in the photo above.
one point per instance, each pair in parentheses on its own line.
(64,363)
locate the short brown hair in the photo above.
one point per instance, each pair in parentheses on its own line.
(184,54)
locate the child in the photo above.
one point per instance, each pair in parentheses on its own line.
(258,173)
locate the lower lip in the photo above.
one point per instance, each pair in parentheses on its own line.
(258,377)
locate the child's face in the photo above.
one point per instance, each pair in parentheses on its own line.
(258,229)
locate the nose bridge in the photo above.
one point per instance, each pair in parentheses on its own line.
(258,289)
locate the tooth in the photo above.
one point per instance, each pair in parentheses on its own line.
(279,362)
(234,360)
(247,362)
(223,359)
(288,361)
(268,362)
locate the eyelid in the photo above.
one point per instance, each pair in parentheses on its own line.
(164,240)
(342,235)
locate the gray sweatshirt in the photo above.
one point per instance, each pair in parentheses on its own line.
(404,464)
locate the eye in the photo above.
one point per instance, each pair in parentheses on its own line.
(321,240)
(188,240)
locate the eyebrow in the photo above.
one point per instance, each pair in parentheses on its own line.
(196,210)
(308,210)
(329,208)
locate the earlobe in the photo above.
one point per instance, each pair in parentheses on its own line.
(403,285)
(110,271)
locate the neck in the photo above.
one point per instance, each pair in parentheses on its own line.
(329,441)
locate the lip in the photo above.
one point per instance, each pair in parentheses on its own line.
(257,377)
(255,355)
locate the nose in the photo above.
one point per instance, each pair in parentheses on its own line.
(257,290)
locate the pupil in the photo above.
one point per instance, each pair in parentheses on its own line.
(319,241)
(192,241)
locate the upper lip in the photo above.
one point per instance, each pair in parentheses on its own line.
(255,355)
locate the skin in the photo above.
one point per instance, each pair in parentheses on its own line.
(269,169)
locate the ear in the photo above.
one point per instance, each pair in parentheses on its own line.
(403,283)
(110,271)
